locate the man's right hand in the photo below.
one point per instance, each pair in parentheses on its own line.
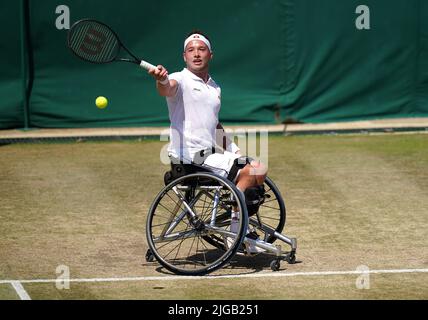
(165,87)
(159,73)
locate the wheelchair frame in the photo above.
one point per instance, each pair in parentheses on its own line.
(188,188)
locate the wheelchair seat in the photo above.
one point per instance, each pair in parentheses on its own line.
(179,169)
(182,169)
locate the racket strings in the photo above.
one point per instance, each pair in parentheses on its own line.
(94,42)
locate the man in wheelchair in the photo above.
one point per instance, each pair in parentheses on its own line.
(214,198)
(196,135)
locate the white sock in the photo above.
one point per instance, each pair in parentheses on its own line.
(234,224)
(248,230)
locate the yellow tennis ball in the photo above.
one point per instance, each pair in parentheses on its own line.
(101,102)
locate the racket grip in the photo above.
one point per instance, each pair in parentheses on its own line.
(146,65)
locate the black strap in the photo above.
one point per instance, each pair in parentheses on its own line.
(202,155)
(238,164)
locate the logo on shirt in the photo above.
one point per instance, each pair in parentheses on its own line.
(197,89)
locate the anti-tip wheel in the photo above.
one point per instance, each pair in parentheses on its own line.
(291,258)
(150,257)
(274,265)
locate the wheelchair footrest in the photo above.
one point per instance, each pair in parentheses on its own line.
(294,244)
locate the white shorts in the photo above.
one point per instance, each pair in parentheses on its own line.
(221,163)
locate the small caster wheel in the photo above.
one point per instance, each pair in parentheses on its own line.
(291,258)
(274,265)
(150,256)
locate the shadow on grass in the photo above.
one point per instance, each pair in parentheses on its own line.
(238,265)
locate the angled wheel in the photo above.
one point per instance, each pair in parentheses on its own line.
(290,258)
(149,256)
(189,228)
(275,265)
(271,215)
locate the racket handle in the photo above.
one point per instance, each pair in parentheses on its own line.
(146,65)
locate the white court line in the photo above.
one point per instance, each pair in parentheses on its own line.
(214,277)
(23,295)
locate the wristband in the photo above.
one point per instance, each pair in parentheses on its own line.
(164,82)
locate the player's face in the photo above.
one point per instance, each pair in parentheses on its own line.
(197,56)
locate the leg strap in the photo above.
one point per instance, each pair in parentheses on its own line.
(238,164)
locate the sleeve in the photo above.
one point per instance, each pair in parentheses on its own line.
(177,77)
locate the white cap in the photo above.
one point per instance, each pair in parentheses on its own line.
(197,36)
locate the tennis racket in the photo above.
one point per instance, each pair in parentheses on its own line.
(96,42)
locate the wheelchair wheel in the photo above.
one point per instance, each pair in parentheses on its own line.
(187,215)
(270,217)
(272,213)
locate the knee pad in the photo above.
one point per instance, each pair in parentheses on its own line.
(254,197)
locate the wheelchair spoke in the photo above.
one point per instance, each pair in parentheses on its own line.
(271,200)
(175,237)
(166,255)
(165,224)
(178,206)
(190,232)
(205,211)
(178,245)
(178,250)
(269,218)
(262,205)
(193,242)
(175,201)
(172,218)
(204,251)
(172,214)
(203,207)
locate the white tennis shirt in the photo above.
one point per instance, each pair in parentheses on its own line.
(193,113)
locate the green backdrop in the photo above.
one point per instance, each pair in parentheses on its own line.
(300,60)
(11,74)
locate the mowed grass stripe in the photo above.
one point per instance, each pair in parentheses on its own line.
(381,286)
(367,186)
(109,186)
(7,292)
(78,205)
(346,198)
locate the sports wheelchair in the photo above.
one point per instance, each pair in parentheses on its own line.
(190,228)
